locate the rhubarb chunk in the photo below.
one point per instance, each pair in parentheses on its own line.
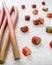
(26,51)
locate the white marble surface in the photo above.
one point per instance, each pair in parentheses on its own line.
(41,54)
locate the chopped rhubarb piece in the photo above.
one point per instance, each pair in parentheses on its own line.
(43,2)
(49,15)
(36,40)
(27,17)
(24,29)
(26,51)
(23,6)
(33,5)
(50,44)
(35,12)
(36,22)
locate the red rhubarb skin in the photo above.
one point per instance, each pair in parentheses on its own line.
(36,22)
(50,44)
(49,15)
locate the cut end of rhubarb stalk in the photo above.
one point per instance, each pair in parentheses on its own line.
(41,20)
(17,57)
(28,53)
(49,29)
(1,62)
(45,9)
(24,29)
(38,41)
(35,12)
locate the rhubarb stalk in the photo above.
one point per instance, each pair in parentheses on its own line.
(5,43)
